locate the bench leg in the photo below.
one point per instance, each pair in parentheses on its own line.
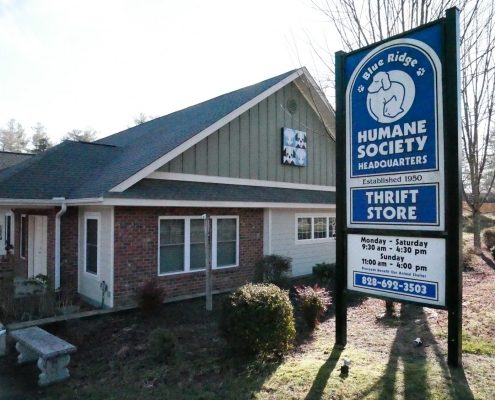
(25,355)
(53,370)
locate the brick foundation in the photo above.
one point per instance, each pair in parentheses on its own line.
(136,252)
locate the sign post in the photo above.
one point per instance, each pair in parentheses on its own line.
(397,133)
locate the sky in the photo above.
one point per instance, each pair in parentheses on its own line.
(98,64)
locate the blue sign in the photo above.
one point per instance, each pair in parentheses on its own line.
(393,110)
(394,130)
(406,287)
(396,204)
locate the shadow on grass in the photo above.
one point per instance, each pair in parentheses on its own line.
(416,380)
(323,374)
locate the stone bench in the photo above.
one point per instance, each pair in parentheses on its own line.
(52,353)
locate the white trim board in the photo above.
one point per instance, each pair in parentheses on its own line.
(173,176)
(143,173)
(205,204)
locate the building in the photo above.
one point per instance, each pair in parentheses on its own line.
(102,218)
(8,159)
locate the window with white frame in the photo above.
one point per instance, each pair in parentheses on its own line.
(23,236)
(91,242)
(318,227)
(181,246)
(226,242)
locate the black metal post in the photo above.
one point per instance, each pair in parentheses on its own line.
(453,212)
(341,185)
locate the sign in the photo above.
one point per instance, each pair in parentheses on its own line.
(394,132)
(403,267)
(294,147)
(397,120)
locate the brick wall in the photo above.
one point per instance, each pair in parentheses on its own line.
(136,252)
(69,225)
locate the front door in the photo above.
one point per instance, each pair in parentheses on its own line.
(37,245)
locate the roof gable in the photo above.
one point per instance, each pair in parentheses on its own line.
(81,170)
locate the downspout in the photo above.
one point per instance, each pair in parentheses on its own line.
(63,209)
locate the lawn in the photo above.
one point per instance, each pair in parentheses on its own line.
(114,362)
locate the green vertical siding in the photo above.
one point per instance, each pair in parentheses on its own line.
(250,146)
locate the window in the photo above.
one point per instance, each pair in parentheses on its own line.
(226,246)
(303,228)
(310,228)
(8,230)
(182,243)
(332,227)
(91,243)
(23,236)
(197,244)
(171,245)
(320,228)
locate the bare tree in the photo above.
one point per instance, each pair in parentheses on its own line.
(360,23)
(40,139)
(142,118)
(87,135)
(478,100)
(13,137)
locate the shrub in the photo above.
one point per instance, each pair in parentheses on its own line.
(325,274)
(313,301)
(468,257)
(162,344)
(273,269)
(258,319)
(489,237)
(149,296)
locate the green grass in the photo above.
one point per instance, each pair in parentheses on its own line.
(385,363)
(478,346)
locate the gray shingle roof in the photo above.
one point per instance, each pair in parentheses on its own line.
(7,158)
(156,189)
(84,170)
(56,172)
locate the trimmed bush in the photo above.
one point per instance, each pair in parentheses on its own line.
(313,301)
(162,344)
(150,296)
(489,237)
(325,274)
(258,319)
(273,269)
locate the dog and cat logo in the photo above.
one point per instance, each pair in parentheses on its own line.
(390,95)
(294,147)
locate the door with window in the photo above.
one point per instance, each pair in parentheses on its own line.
(90,265)
(37,245)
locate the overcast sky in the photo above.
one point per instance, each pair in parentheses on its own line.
(78,64)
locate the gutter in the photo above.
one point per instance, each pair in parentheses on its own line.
(48,203)
(63,209)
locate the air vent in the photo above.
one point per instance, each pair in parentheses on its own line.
(292,106)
